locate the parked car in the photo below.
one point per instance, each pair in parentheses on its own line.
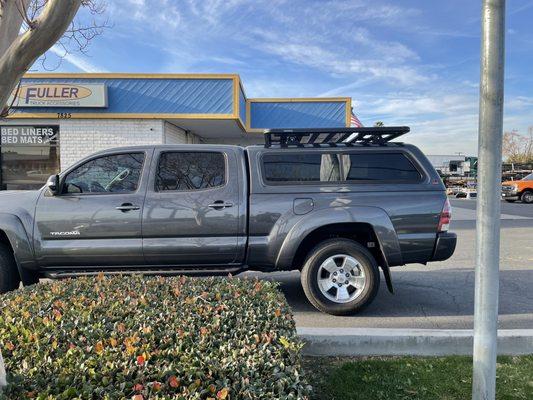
(336,204)
(518,190)
(466,194)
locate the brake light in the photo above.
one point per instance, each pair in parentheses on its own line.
(445,217)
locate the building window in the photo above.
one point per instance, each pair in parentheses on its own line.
(29,155)
(118,173)
(180,171)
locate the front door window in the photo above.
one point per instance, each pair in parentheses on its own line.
(118,173)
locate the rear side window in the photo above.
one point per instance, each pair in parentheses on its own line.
(391,167)
(180,171)
(293,167)
(336,167)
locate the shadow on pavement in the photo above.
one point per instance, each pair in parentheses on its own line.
(426,293)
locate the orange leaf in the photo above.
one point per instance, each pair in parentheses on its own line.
(203,331)
(138,387)
(277,313)
(99,348)
(156,386)
(173,381)
(222,394)
(10,346)
(140,360)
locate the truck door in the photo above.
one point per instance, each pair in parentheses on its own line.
(192,213)
(96,219)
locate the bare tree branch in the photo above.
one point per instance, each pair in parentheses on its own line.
(43,23)
(48,27)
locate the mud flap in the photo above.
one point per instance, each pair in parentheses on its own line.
(388,279)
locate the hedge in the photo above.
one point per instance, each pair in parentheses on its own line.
(150,338)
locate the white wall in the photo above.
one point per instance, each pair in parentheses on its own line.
(176,135)
(82,137)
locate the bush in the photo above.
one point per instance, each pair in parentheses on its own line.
(150,338)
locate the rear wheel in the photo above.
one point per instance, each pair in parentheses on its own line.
(340,277)
(527,197)
(9,275)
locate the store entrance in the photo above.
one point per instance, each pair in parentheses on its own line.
(29,155)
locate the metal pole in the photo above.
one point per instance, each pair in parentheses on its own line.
(488,201)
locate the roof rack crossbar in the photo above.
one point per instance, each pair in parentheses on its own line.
(333,137)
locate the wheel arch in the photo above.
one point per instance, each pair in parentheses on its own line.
(369,226)
(13,234)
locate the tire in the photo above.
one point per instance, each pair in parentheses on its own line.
(527,197)
(340,298)
(9,275)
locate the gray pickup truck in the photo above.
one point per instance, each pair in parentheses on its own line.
(336,204)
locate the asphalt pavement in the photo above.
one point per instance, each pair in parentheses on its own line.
(441,295)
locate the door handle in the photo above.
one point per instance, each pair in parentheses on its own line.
(127,207)
(220,204)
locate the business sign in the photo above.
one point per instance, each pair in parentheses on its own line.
(29,135)
(60,95)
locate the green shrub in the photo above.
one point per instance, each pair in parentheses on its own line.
(150,338)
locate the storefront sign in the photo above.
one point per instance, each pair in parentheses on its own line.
(29,135)
(60,95)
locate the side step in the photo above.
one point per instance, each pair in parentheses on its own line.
(58,274)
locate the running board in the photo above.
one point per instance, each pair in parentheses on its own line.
(165,272)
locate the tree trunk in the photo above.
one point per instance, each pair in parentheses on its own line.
(26,48)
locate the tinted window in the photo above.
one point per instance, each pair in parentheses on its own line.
(330,167)
(110,174)
(190,171)
(380,167)
(293,167)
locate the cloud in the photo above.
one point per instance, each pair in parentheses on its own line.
(79,61)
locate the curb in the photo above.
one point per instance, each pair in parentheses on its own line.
(414,342)
(2,373)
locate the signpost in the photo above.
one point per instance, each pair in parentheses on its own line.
(488,200)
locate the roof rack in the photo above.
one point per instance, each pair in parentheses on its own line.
(333,137)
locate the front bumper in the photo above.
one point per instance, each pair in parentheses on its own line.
(444,246)
(510,196)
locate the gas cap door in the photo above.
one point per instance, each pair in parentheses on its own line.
(303,206)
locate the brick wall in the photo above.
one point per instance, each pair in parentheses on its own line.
(82,137)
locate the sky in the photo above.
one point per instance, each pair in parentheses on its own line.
(403,62)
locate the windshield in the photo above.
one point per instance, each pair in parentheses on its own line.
(528,178)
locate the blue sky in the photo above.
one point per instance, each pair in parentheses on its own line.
(403,62)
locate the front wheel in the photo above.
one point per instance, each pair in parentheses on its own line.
(340,277)
(527,197)
(9,276)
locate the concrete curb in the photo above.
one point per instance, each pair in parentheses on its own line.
(2,373)
(416,342)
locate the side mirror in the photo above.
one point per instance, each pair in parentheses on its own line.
(53,184)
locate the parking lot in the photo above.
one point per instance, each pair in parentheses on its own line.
(441,295)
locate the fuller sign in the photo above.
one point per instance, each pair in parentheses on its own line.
(60,95)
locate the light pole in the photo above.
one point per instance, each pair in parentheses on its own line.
(488,200)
